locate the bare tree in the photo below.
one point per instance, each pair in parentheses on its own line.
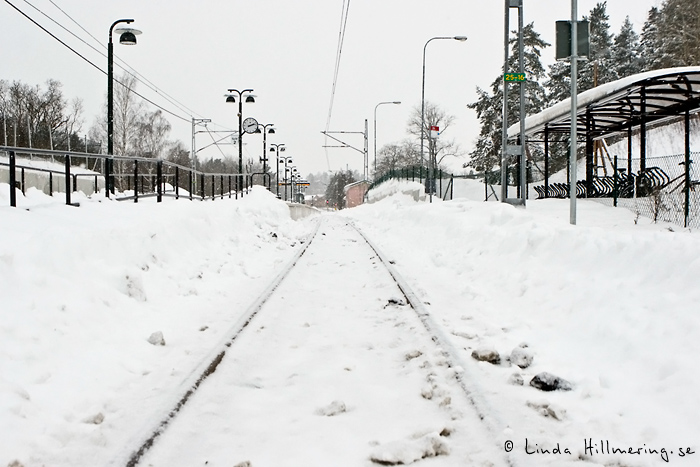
(397,156)
(36,117)
(127,112)
(151,135)
(434,115)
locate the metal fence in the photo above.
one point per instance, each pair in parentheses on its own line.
(666,189)
(442,182)
(124,178)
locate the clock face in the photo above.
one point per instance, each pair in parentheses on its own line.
(250,125)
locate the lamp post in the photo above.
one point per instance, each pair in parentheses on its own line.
(264,132)
(375,132)
(277,148)
(297,179)
(231,99)
(127,37)
(292,174)
(286,161)
(422,113)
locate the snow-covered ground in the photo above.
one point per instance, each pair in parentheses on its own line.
(610,305)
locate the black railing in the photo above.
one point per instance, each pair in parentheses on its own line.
(441,183)
(137,177)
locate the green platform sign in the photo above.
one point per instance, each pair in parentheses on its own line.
(514,77)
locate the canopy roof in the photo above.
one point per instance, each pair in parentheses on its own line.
(647,97)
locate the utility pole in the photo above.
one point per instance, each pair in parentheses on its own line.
(574,105)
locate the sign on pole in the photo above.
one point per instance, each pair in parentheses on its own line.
(563,39)
(434,132)
(514,77)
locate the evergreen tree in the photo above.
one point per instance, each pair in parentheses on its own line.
(489,105)
(651,40)
(335,192)
(600,68)
(680,33)
(558,84)
(627,53)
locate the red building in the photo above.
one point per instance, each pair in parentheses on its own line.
(355,193)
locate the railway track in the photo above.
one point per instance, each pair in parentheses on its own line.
(338,362)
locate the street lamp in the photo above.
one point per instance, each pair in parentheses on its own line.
(265,131)
(277,148)
(422,112)
(375,132)
(127,36)
(296,180)
(231,98)
(289,169)
(292,174)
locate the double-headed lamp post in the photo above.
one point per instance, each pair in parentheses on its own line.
(290,180)
(263,128)
(287,160)
(127,36)
(375,131)
(231,99)
(277,148)
(422,112)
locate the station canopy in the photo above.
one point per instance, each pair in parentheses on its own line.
(631,102)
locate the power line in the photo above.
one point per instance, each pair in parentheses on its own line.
(91,63)
(139,77)
(341,39)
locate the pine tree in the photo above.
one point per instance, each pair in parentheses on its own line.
(651,40)
(489,106)
(627,53)
(600,68)
(680,33)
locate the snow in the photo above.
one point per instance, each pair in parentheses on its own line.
(592,95)
(341,377)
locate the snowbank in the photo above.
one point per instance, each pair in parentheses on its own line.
(83,290)
(609,305)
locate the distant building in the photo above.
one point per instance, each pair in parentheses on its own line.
(355,193)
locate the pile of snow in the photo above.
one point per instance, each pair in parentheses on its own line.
(608,308)
(414,190)
(84,290)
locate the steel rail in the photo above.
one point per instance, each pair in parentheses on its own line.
(474,394)
(469,385)
(207,367)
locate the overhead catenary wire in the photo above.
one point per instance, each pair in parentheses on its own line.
(90,62)
(133,71)
(130,70)
(339,51)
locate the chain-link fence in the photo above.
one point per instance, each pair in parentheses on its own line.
(664,190)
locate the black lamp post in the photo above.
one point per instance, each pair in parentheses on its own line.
(231,98)
(127,37)
(277,148)
(286,161)
(265,131)
(290,181)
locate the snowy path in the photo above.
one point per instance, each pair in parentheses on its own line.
(332,371)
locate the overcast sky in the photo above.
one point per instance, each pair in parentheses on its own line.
(285,50)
